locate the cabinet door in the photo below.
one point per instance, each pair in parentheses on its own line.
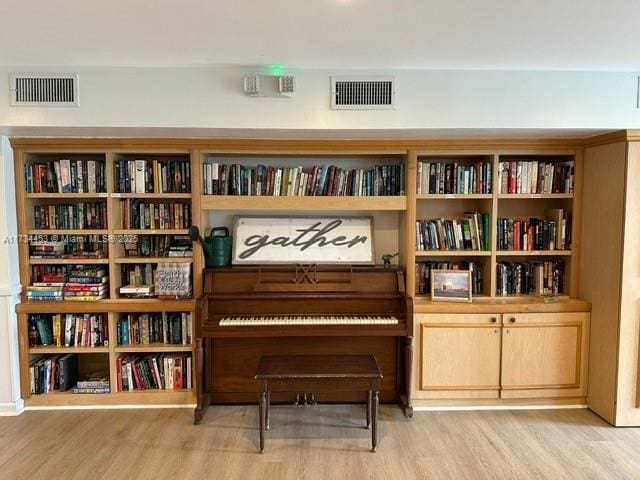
(544,354)
(460,355)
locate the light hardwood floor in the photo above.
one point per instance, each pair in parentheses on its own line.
(324,442)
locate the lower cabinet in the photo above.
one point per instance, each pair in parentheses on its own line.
(530,355)
(544,355)
(460,355)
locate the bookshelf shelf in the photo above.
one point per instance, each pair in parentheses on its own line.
(153,196)
(534,196)
(120,231)
(239,202)
(154,347)
(61,261)
(143,397)
(69,196)
(533,253)
(107,305)
(125,260)
(63,350)
(86,231)
(455,196)
(453,253)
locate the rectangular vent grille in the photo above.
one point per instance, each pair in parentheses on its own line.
(44,89)
(362,93)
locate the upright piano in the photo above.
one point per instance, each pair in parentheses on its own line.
(246,312)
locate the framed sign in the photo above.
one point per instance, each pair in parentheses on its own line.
(451,285)
(258,240)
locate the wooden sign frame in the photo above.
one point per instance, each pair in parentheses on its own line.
(364,255)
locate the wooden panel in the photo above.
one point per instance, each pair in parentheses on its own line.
(254,203)
(521,304)
(600,267)
(235,361)
(459,356)
(628,395)
(543,351)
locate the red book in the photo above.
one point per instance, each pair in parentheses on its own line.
(513,168)
(119,372)
(138,374)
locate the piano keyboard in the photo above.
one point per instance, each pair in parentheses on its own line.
(270,320)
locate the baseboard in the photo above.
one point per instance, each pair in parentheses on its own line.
(496,407)
(11,409)
(105,407)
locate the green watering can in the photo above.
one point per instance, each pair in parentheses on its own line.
(217,248)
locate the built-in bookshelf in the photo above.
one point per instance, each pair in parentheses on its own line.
(527,205)
(457,193)
(91,223)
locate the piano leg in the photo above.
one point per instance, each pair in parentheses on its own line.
(202,395)
(368,408)
(263,420)
(405,397)
(374,420)
(268,411)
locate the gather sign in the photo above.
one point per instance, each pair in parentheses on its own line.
(258,240)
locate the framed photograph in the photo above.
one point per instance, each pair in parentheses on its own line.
(305,240)
(451,285)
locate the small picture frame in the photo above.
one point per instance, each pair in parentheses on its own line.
(451,285)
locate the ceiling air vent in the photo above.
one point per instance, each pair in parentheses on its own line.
(44,89)
(363,93)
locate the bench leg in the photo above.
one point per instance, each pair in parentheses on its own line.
(268,414)
(263,407)
(368,408)
(374,422)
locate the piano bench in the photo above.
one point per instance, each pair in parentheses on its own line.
(319,373)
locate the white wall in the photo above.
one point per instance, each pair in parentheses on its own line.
(212,98)
(10,401)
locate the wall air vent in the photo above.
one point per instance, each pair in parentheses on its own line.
(44,89)
(363,93)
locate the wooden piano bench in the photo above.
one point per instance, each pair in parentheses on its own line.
(319,373)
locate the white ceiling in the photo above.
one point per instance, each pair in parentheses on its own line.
(378,34)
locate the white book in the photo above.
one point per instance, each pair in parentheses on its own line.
(525,177)
(141,170)
(80,177)
(91,176)
(419,186)
(65,176)
(188,366)
(534,176)
(56,168)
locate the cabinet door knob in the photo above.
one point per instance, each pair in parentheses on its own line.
(493,319)
(512,320)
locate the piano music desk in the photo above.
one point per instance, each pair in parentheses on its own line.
(319,373)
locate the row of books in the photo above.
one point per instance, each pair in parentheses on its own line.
(324,180)
(552,233)
(70,216)
(57,372)
(423,274)
(159,246)
(521,176)
(65,176)
(469,232)
(69,330)
(163,371)
(140,214)
(76,247)
(68,282)
(453,178)
(523,278)
(153,176)
(146,328)
(94,383)
(163,280)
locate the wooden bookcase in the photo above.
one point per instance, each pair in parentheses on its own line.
(394,221)
(113,306)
